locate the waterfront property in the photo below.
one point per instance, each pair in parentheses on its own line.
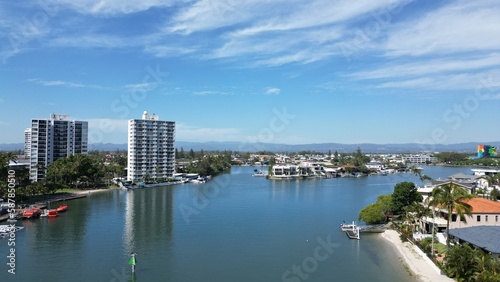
(486,238)
(151,153)
(53,139)
(484,213)
(302,171)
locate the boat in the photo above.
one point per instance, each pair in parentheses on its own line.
(259,173)
(345,226)
(32,213)
(352,230)
(62,208)
(52,213)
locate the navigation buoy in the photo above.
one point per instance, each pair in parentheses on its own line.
(133,261)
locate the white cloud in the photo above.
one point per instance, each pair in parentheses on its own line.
(146,86)
(213,14)
(105,130)
(460,26)
(200,134)
(164,50)
(210,92)
(272,91)
(431,66)
(113,7)
(274,33)
(56,83)
(488,81)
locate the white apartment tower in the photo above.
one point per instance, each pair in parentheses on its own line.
(27,143)
(151,153)
(55,138)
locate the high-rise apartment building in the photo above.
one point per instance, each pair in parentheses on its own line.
(55,138)
(27,143)
(151,153)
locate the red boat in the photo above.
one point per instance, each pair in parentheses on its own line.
(52,213)
(32,213)
(62,208)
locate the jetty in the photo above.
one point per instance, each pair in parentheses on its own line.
(44,204)
(353,233)
(351,230)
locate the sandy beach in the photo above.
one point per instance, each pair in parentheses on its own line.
(422,269)
(83,192)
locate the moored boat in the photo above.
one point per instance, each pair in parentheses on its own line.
(352,230)
(52,213)
(62,208)
(32,213)
(346,226)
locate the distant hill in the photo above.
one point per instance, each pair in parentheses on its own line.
(469,147)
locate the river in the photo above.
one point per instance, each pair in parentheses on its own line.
(234,228)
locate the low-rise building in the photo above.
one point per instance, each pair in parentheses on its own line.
(484,212)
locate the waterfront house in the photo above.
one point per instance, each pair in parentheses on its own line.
(375,166)
(484,213)
(486,238)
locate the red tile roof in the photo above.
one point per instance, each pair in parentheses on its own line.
(480,205)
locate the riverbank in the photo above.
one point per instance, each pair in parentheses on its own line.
(420,267)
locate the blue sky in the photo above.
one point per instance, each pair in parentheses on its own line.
(277,71)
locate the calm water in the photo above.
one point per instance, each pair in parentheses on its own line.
(234,228)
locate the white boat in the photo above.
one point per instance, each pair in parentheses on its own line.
(352,230)
(346,226)
(259,173)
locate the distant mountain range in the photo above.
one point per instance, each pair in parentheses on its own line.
(470,147)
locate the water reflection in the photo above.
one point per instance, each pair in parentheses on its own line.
(148,218)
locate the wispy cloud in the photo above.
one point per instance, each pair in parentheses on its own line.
(470,81)
(147,86)
(210,92)
(459,26)
(274,33)
(56,83)
(272,91)
(110,8)
(431,66)
(67,84)
(204,134)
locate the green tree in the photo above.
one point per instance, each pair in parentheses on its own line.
(458,262)
(451,197)
(372,214)
(451,157)
(378,211)
(405,193)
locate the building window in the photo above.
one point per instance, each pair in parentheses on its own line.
(478,218)
(485,218)
(496,218)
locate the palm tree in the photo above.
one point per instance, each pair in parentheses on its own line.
(451,197)
(415,212)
